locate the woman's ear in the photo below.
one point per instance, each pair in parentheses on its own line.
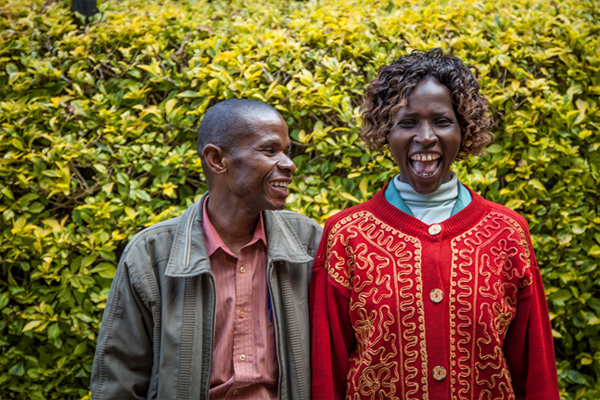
(214,156)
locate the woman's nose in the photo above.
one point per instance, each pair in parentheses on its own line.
(426,135)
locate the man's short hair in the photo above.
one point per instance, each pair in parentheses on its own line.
(225,121)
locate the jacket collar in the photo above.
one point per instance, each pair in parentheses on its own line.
(189,256)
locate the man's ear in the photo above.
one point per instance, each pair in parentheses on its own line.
(214,157)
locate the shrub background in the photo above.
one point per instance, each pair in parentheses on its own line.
(98,127)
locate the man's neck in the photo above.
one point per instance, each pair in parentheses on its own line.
(235,225)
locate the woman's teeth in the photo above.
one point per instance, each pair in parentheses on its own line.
(424,175)
(425,165)
(425,157)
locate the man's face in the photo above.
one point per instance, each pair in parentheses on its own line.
(259,168)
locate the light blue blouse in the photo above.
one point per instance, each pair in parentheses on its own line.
(425,210)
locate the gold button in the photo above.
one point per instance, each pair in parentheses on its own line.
(242,314)
(436,295)
(242,269)
(243,358)
(435,229)
(235,392)
(439,373)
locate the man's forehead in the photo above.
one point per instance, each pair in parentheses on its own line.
(266,129)
(259,116)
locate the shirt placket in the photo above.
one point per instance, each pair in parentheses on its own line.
(242,343)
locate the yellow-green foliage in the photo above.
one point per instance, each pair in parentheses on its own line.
(98,125)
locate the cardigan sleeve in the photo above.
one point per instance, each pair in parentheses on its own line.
(529,348)
(332,337)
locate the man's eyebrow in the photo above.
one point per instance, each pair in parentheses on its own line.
(272,142)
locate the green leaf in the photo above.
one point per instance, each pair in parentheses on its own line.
(494,148)
(105,270)
(31,325)
(17,370)
(4,297)
(594,251)
(54,331)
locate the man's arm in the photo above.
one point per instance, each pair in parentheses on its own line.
(123,359)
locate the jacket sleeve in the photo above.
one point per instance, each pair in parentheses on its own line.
(529,348)
(123,360)
(332,337)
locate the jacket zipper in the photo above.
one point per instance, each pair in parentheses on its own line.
(270,269)
(188,236)
(208,350)
(287,237)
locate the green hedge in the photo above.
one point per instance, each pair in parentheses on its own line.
(98,125)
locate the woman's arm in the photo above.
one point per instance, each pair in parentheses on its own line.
(332,336)
(529,348)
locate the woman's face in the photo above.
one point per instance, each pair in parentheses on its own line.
(426,136)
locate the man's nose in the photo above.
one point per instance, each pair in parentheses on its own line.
(286,164)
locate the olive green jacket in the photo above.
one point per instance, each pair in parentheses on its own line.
(156,337)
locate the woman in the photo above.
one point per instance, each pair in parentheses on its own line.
(428,291)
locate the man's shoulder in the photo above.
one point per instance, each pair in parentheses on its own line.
(160,228)
(292,224)
(296,217)
(155,240)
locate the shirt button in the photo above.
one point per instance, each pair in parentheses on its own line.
(242,269)
(435,229)
(242,314)
(436,295)
(235,392)
(243,358)
(439,373)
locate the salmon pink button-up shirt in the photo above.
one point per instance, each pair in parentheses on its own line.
(244,355)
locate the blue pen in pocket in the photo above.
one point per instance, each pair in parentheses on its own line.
(270,309)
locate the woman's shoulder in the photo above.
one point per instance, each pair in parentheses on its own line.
(506,212)
(353,212)
(347,213)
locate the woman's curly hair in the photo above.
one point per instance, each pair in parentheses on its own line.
(389,92)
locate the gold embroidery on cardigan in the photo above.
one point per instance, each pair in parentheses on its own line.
(381,266)
(494,260)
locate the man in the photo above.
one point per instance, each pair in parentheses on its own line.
(214,303)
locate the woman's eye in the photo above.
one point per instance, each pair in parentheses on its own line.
(406,124)
(444,122)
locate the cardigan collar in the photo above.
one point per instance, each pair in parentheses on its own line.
(457,223)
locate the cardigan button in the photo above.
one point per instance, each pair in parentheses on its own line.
(439,373)
(436,295)
(434,229)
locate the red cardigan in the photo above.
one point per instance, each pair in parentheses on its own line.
(405,310)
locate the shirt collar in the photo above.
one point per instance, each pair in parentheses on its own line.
(445,192)
(213,240)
